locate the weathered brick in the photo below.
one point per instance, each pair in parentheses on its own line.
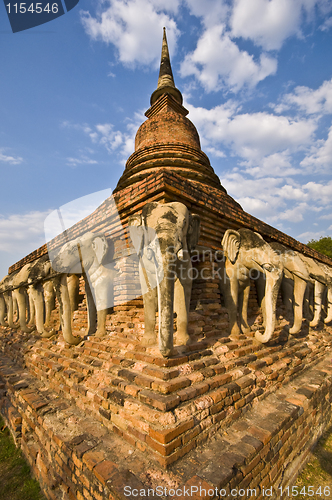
(105,470)
(92,458)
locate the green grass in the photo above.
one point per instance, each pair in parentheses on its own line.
(318,472)
(16,482)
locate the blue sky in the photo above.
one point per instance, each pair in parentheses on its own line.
(256,76)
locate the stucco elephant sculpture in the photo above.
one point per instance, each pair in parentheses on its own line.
(14,299)
(8,304)
(303,270)
(245,251)
(33,296)
(85,255)
(163,236)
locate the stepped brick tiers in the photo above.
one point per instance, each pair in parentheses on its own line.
(213,412)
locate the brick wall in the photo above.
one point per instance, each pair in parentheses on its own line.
(74,457)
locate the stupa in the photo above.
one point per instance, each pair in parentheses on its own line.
(110,418)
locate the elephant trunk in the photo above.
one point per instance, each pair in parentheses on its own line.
(329,305)
(10,311)
(2,311)
(166,308)
(318,295)
(299,290)
(273,280)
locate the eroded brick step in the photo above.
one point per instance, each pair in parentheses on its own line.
(110,393)
(253,451)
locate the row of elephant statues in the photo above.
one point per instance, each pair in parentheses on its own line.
(29,294)
(276,265)
(162,238)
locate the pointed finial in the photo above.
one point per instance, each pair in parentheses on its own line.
(165,80)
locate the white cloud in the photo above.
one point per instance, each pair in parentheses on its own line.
(106,135)
(134,27)
(327,24)
(276,199)
(308,100)
(218,62)
(12,160)
(22,233)
(321,154)
(82,160)
(294,214)
(257,197)
(116,140)
(310,235)
(319,192)
(268,23)
(326,216)
(278,164)
(211,12)
(261,139)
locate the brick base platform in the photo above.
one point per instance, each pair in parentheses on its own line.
(260,445)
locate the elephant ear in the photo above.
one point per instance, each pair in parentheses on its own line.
(231,244)
(193,231)
(100,247)
(136,231)
(148,208)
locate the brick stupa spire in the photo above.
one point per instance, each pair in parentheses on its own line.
(168,139)
(165,80)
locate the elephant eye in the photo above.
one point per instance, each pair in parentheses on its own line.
(268,267)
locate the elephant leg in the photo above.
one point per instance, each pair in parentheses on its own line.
(73,290)
(243,307)
(104,296)
(299,290)
(36,294)
(318,294)
(150,309)
(329,305)
(65,310)
(2,311)
(182,294)
(49,300)
(309,302)
(231,299)
(32,317)
(19,295)
(15,309)
(101,323)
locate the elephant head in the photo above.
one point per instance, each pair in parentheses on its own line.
(245,251)
(163,236)
(85,255)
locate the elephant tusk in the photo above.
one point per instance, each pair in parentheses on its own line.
(180,254)
(149,253)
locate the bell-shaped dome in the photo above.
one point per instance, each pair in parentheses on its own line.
(168,139)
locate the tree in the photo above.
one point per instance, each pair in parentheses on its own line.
(323,245)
